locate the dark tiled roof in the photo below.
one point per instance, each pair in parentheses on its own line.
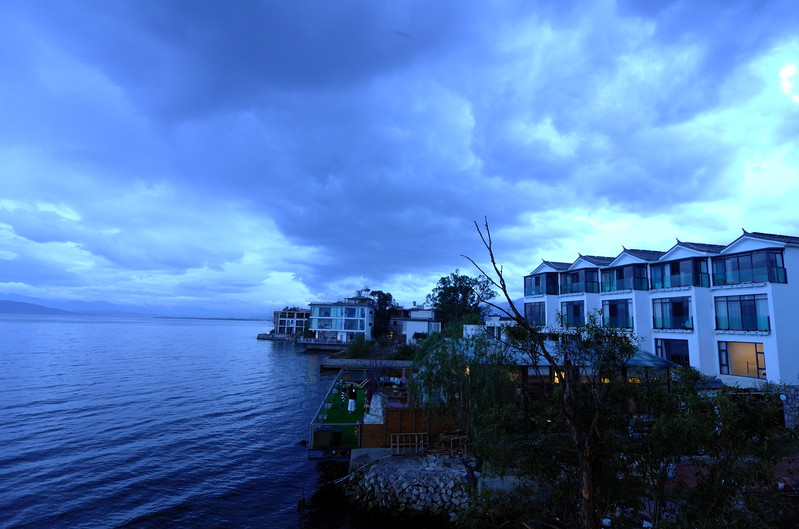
(645,255)
(557,265)
(645,359)
(701,247)
(598,260)
(709,383)
(787,239)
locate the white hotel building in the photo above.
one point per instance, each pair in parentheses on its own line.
(730,311)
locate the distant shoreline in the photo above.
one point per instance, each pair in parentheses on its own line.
(207,318)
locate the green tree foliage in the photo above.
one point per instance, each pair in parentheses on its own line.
(359,347)
(585,414)
(743,439)
(607,437)
(589,362)
(476,380)
(460,299)
(384,304)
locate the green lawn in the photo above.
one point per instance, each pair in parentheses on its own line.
(339,415)
(341,430)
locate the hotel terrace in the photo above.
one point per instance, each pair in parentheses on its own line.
(730,311)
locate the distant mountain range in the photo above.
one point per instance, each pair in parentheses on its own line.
(519,303)
(17,304)
(18,307)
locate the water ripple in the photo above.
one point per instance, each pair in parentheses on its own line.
(137,424)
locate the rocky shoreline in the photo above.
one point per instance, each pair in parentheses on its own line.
(428,485)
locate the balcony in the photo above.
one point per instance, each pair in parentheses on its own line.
(744,324)
(632,283)
(752,275)
(619,322)
(673,322)
(580,287)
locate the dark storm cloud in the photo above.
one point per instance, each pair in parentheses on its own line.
(184,59)
(265,148)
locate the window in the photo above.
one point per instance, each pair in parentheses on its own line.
(674,350)
(742,313)
(749,267)
(630,277)
(617,313)
(541,284)
(573,313)
(353,325)
(322,323)
(535,314)
(683,273)
(321,312)
(353,312)
(742,359)
(672,313)
(584,280)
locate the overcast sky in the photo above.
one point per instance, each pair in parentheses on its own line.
(251,154)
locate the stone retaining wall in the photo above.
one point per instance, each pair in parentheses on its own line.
(432,485)
(791,406)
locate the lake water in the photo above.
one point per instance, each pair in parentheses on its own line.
(126,423)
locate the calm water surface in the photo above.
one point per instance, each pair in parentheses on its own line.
(155,423)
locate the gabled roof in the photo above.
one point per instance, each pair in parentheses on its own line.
(785,239)
(644,255)
(557,265)
(551,265)
(701,247)
(597,260)
(754,240)
(632,256)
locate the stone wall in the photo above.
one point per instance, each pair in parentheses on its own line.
(432,485)
(791,406)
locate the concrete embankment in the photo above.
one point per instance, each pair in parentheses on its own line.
(430,485)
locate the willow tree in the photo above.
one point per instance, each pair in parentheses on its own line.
(475,380)
(588,363)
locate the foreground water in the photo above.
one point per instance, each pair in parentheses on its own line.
(156,423)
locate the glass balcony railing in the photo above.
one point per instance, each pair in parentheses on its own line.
(673,322)
(579,286)
(752,323)
(633,283)
(753,275)
(619,322)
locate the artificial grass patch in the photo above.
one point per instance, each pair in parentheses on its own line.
(339,415)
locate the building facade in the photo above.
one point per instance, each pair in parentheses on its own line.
(342,321)
(290,322)
(411,326)
(729,310)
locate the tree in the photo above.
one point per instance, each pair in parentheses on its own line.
(461,299)
(589,362)
(743,440)
(384,303)
(599,403)
(475,380)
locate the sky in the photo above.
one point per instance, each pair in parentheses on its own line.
(243,156)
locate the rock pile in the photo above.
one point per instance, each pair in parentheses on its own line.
(432,485)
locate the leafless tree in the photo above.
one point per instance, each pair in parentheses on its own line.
(591,350)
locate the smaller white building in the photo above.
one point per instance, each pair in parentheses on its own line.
(492,327)
(342,321)
(411,326)
(290,322)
